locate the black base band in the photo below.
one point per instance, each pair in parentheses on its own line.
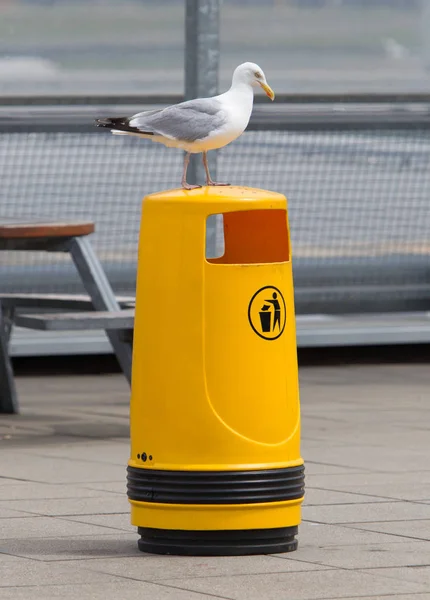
(217,543)
(215,487)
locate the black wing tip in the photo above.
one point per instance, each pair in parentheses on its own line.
(108,122)
(121,124)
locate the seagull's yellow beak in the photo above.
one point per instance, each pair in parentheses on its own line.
(268,90)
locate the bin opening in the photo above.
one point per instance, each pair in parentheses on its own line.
(254,236)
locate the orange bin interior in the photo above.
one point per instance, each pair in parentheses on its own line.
(254,236)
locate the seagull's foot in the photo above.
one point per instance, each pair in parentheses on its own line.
(210,182)
(190,186)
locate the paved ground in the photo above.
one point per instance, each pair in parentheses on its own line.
(64,518)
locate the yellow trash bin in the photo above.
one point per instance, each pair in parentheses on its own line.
(215,465)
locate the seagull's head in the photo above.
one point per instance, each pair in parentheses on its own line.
(253,75)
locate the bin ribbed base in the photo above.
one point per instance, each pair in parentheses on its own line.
(215,487)
(217,543)
(203,488)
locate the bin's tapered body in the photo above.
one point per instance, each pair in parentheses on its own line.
(215,465)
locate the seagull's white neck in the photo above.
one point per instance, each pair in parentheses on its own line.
(238,102)
(237,85)
(242,92)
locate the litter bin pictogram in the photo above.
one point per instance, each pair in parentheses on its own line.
(267,312)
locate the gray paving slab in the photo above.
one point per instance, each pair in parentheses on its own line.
(371,435)
(10,558)
(364,482)
(147,567)
(416,573)
(119,590)
(6,512)
(120,522)
(321,468)
(370,512)
(367,556)
(410,491)
(83,547)
(402,380)
(95,451)
(31,573)
(34,526)
(308,442)
(101,504)
(42,469)
(322,535)
(419,529)
(114,487)
(318,497)
(369,458)
(300,585)
(29,491)
(416,596)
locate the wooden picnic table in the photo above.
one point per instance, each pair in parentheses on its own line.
(53,236)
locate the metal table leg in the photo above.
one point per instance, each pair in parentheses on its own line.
(99,289)
(8,396)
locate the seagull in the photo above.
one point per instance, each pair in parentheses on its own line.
(200,125)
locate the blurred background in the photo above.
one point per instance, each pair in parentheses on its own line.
(347,141)
(137,46)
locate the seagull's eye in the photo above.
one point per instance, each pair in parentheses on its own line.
(257,75)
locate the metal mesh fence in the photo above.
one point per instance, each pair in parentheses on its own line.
(358,201)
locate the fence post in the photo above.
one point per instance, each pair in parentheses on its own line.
(201,80)
(425,34)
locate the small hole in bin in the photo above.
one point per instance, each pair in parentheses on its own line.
(247,237)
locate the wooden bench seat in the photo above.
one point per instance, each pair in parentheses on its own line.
(57,301)
(77,321)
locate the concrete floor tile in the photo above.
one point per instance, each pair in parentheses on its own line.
(57,470)
(10,558)
(33,573)
(103,504)
(365,482)
(355,513)
(313,585)
(114,487)
(408,529)
(401,490)
(25,490)
(117,521)
(370,458)
(320,468)
(98,451)
(416,573)
(105,590)
(367,556)
(322,535)
(35,527)
(73,548)
(7,512)
(147,567)
(319,497)
(416,596)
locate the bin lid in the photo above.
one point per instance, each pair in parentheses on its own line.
(220,199)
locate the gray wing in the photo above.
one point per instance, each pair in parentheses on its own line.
(187,121)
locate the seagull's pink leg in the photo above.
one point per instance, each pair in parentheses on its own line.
(185,185)
(208,175)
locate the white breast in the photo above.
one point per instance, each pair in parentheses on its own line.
(237,105)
